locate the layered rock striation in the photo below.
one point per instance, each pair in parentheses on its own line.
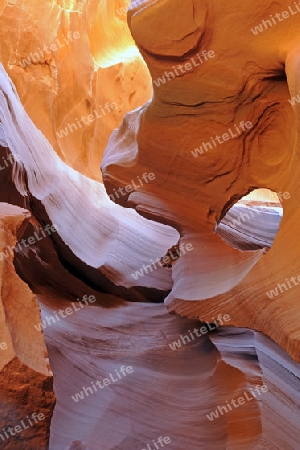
(222,122)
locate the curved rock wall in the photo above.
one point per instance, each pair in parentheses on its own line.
(68,65)
(220,124)
(25,374)
(194,104)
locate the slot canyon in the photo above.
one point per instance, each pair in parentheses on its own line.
(149,207)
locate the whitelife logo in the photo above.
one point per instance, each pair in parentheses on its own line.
(86,120)
(36,57)
(130,187)
(31,240)
(243,217)
(225,136)
(123,11)
(161,441)
(294,100)
(181,69)
(23,426)
(240,401)
(185,339)
(3,346)
(265,24)
(65,313)
(166,261)
(274,292)
(106,382)
(9,161)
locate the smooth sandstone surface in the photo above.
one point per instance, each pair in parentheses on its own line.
(57,115)
(250,78)
(67,62)
(169,392)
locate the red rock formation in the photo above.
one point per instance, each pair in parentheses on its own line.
(70,72)
(67,62)
(25,377)
(219,125)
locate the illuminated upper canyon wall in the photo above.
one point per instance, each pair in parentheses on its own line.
(77,72)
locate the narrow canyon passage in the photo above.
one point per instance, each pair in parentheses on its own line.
(169,392)
(149,211)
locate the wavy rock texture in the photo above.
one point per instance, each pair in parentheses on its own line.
(70,72)
(169,392)
(77,76)
(237,83)
(61,196)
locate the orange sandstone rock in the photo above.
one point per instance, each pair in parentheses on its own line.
(219,125)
